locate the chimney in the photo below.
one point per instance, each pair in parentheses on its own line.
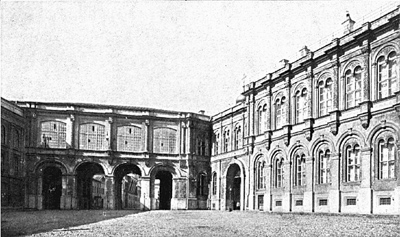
(202,112)
(348,24)
(283,62)
(304,51)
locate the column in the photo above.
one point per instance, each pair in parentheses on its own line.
(68,200)
(109,193)
(286,197)
(145,199)
(146,133)
(335,178)
(364,199)
(309,192)
(267,194)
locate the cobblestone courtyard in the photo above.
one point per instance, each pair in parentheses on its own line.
(196,223)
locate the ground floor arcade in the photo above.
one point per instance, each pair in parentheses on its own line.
(95,184)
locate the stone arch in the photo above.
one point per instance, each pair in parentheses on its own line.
(105,169)
(299,87)
(234,176)
(387,126)
(318,142)
(165,175)
(323,76)
(142,171)
(298,147)
(260,103)
(276,151)
(351,64)
(385,50)
(349,135)
(278,95)
(41,165)
(127,186)
(162,167)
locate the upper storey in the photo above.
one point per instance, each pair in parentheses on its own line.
(122,129)
(353,77)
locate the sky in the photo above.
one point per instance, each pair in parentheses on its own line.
(175,55)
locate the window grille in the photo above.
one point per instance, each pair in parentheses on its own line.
(164,140)
(299,202)
(53,134)
(351,202)
(385,201)
(278,203)
(92,137)
(323,202)
(129,138)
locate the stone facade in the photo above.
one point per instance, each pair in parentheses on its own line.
(321,134)
(68,144)
(12,155)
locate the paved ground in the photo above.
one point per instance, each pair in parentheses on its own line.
(216,223)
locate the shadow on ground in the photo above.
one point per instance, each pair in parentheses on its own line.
(16,223)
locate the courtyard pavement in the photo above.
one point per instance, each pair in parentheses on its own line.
(196,223)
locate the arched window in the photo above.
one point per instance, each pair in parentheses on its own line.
(202,185)
(3,134)
(216,143)
(323,166)
(299,170)
(53,134)
(353,87)
(387,158)
(92,137)
(324,97)
(129,138)
(261,119)
(226,140)
(164,140)
(387,75)
(279,112)
(353,160)
(214,183)
(300,105)
(278,172)
(237,135)
(260,174)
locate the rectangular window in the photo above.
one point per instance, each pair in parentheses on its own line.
(92,137)
(278,203)
(164,140)
(385,201)
(351,202)
(323,202)
(299,202)
(129,138)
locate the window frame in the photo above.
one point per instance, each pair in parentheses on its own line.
(387,73)
(352,163)
(299,169)
(300,104)
(324,96)
(353,87)
(56,134)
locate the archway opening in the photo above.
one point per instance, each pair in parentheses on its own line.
(163,189)
(127,187)
(52,187)
(90,186)
(233,181)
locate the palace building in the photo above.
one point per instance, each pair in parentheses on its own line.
(85,156)
(320,134)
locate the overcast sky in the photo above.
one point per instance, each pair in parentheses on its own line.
(185,56)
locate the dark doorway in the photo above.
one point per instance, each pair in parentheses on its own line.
(90,186)
(233,181)
(127,187)
(52,187)
(164,190)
